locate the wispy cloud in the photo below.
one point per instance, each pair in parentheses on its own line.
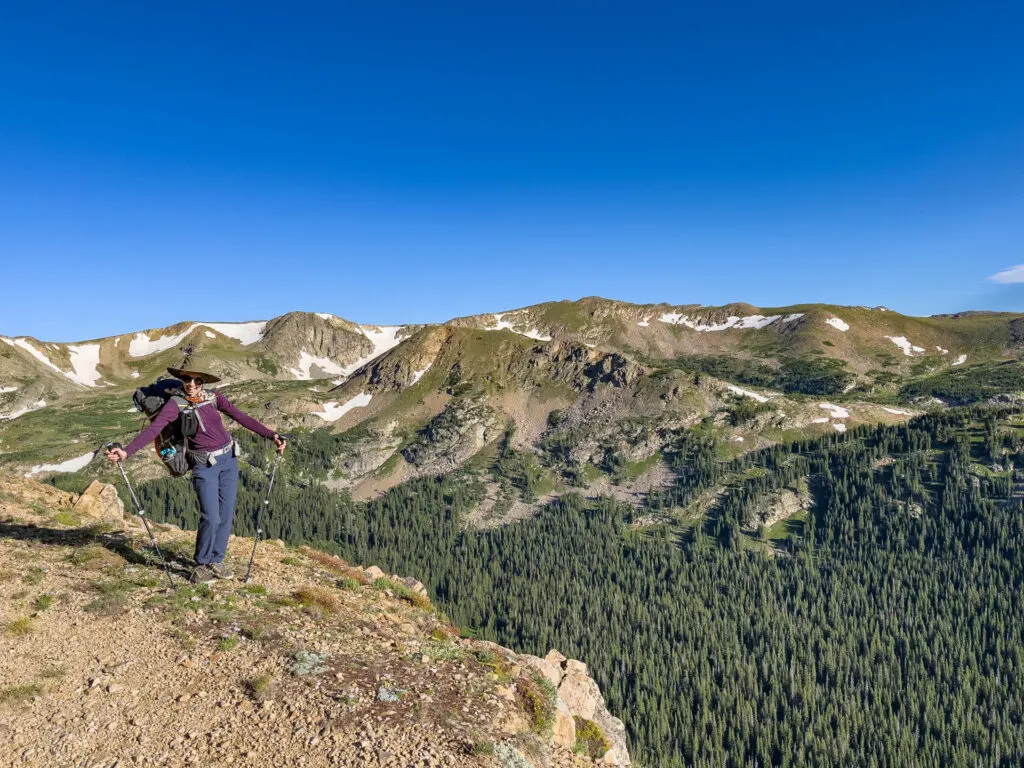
(1011,275)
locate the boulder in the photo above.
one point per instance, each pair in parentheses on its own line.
(564,730)
(100,502)
(581,694)
(572,665)
(373,573)
(415,586)
(551,671)
(555,657)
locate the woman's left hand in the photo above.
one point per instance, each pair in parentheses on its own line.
(280,442)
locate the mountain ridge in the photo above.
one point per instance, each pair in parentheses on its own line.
(585,374)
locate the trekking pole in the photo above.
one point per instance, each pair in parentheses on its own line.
(259,530)
(142,513)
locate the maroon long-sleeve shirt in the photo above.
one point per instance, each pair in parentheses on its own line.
(216,435)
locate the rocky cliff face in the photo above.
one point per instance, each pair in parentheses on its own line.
(315,662)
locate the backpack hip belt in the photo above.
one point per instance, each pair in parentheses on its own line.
(209,458)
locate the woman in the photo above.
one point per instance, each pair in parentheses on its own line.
(213,462)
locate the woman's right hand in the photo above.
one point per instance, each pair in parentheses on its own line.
(116,454)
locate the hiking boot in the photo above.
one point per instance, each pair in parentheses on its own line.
(203,574)
(222,570)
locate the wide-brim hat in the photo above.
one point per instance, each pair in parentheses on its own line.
(194,370)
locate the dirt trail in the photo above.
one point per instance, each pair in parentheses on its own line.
(101,665)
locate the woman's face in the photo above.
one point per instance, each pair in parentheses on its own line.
(192,386)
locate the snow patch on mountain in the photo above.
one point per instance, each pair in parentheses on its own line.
(417,375)
(383,338)
(960,360)
(757,321)
(85,360)
(247,333)
(71,465)
(22,411)
(898,411)
(5,390)
(675,318)
(821,420)
(836,411)
(791,318)
(839,427)
(746,393)
(306,363)
(24,344)
(904,343)
(751,322)
(333,411)
(943,351)
(505,325)
(643,323)
(839,325)
(141,345)
(211,335)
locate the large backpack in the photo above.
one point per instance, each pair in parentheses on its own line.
(172,444)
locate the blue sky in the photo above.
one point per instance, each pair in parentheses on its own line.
(411,162)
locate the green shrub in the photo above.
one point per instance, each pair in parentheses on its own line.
(67,518)
(13,694)
(539,701)
(43,602)
(259,688)
(317,598)
(590,739)
(19,627)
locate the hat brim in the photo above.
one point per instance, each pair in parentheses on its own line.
(208,378)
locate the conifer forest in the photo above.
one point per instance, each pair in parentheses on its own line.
(884,629)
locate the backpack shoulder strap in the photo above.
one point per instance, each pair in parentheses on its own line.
(211,399)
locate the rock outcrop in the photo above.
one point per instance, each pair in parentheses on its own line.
(578,698)
(100,502)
